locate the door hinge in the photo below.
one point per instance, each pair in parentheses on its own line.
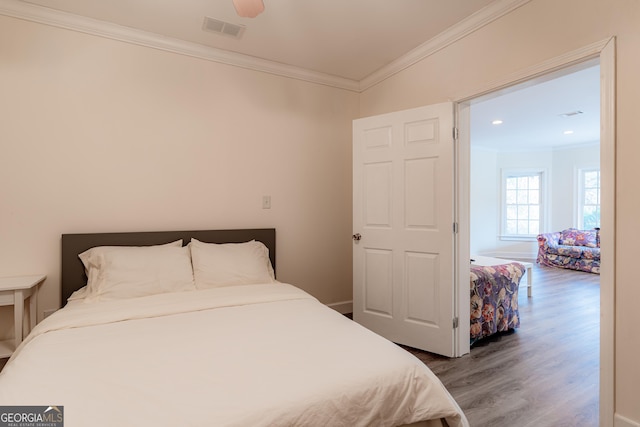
(455,323)
(455,228)
(455,134)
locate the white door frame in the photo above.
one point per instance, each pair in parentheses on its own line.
(605,52)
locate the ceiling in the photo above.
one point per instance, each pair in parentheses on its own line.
(344,38)
(534,115)
(351,44)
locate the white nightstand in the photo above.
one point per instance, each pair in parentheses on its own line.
(14,291)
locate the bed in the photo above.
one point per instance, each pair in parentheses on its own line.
(140,344)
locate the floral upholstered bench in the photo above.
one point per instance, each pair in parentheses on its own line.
(571,248)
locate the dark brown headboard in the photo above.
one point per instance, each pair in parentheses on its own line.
(73,275)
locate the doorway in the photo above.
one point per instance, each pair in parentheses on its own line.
(604,53)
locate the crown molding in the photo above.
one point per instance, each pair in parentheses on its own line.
(454,33)
(43,15)
(532,149)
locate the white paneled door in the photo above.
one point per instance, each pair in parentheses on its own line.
(403,226)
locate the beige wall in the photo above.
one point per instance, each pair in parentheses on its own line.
(539,31)
(99,135)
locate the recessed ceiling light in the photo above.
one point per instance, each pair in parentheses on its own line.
(496,122)
(568,132)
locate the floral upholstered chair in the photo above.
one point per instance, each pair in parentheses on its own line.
(494,299)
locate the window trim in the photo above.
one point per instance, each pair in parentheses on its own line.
(579,204)
(511,172)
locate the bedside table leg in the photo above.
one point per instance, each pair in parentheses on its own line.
(18,311)
(33,307)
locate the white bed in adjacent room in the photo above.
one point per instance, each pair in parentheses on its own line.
(248,354)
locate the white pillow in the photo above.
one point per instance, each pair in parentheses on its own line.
(93,260)
(116,272)
(229,264)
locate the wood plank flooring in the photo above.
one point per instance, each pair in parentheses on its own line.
(546,373)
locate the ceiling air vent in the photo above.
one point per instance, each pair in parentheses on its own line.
(571,113)
(221,27)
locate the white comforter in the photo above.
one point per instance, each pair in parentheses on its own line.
(256,355)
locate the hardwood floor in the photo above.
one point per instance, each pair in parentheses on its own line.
(546,373)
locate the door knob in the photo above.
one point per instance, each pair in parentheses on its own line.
(357,237)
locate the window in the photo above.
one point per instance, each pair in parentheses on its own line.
(589,206)
(522,204)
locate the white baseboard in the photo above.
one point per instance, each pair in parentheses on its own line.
(525,256)
(620,421)
(343,307)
